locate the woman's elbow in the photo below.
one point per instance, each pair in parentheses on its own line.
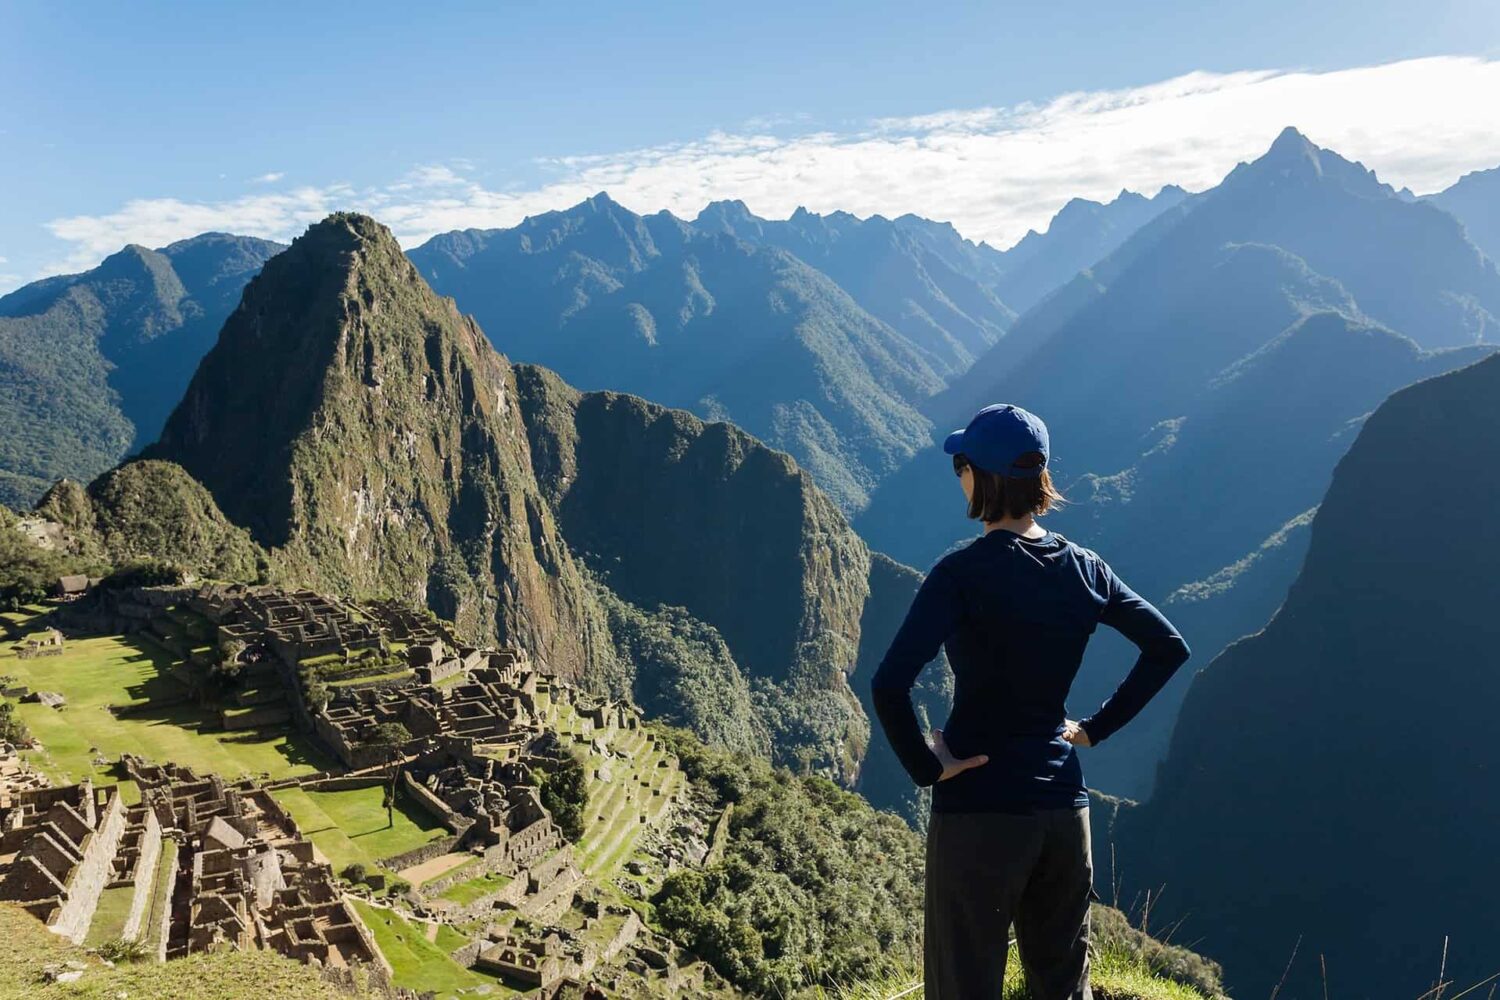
(1181,652)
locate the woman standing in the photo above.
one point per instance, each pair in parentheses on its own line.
(1008,840)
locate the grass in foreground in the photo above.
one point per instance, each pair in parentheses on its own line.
(1117,975)
(29,947)
(93,674)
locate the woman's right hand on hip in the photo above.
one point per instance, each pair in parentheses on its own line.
(953,765)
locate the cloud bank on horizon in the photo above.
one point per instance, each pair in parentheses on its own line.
(993,172)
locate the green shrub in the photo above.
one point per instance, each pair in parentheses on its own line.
(565,794)
(814,886)
(145,573)
(121,951)
(12,729)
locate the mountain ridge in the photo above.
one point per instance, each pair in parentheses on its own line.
(91,363)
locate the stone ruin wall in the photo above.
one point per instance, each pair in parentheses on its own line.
(92,875)
(148,854)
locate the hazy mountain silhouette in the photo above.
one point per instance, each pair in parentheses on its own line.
(1475,201)
(1329,780)
(1082,233)
(92,363)
(891,272)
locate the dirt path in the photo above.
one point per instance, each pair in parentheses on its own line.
(417,874)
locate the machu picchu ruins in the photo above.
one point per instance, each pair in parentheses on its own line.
(204,862)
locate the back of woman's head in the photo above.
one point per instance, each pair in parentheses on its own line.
(996,497)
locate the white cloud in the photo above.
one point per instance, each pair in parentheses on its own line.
(270,178)
(993,172)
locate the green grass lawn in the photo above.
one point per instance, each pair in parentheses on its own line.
(110,916)
(371,678)
(449,939)
(464,893)
(161,895)
(420,964)
(351,826)
(97,672)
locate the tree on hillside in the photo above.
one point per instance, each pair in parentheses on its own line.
(565,794)
(317,695)
(390,737)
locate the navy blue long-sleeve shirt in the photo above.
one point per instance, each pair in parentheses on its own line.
(1014,615)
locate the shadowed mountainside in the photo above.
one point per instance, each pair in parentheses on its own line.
(1340,755)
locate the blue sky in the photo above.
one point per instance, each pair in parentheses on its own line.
(148,122)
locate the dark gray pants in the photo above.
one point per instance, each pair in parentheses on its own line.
(986,871)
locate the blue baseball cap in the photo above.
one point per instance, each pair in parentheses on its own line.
(998,437)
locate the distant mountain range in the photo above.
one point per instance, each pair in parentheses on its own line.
(733,331)
(1330,785)
(822,335)
(92,363)
(1200,384)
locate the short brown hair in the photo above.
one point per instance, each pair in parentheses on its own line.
(996,496)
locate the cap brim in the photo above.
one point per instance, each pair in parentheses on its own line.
(954,443)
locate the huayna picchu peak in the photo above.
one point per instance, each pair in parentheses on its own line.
(365,431)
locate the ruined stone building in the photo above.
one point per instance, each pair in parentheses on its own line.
(493,704)
(57,852)
(246,877)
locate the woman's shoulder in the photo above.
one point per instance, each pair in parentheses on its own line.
(1092,563)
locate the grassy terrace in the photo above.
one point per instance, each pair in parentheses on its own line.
(615,807)
(421,964)
(94,673)
(464,893)
(351,826)
(389,675)
(110,916)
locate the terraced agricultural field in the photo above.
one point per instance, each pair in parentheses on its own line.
(635,796)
